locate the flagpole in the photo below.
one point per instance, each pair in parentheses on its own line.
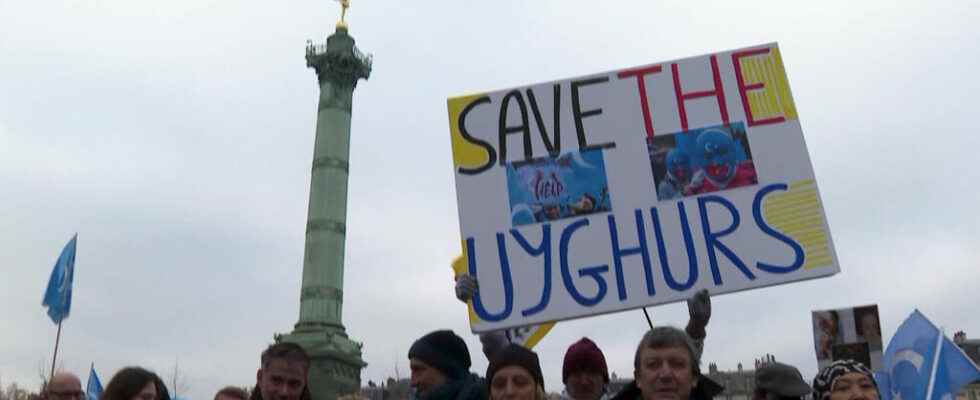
(649,322)
(57,340)
(935,366)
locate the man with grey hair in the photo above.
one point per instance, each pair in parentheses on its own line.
(667,366)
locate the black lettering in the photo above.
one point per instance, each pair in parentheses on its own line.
(491,153)
(553,146)
(578,114)
(504,130)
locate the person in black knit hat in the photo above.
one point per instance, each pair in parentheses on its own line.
(440,364)
(514,373)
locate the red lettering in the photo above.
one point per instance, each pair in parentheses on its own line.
(718,92)
(641,85)
(743,88)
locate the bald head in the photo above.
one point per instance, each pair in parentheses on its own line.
(64,386)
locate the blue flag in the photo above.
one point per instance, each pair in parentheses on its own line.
(921,363)
(58,295)
(93,390)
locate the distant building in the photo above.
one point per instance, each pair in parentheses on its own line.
(616,384)
(391,389)
(739,384)
(972,349)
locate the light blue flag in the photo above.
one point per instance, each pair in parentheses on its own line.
(921,363)
(58,295)
(93,390)
(953,370)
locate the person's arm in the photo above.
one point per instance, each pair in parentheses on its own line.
(699,309)
(492,341)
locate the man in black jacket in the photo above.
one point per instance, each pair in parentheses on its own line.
(440,364)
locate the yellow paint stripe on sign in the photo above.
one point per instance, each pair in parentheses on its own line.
(775,100)
(465,154)
(798,214)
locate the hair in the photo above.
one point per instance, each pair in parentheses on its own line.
(667,336)
(860,313)
(539,393)
(836,318)
(290,352)
(129,381)
(232,391)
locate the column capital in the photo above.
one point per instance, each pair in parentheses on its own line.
(338,61)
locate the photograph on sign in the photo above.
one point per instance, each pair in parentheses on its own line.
(848,333)
(700,161)
(635,187)
(552,188)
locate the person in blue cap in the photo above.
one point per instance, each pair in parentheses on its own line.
(679,180)
(722,168)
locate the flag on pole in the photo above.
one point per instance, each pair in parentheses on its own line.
(57,297)
(922,363)
(93,390)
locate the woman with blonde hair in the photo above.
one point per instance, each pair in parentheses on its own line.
(514,373)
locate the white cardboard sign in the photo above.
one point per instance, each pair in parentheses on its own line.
(635,187)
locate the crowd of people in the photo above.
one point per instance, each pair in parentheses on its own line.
(666,365)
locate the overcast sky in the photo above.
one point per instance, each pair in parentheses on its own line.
(176,138)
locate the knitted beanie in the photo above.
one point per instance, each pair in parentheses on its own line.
(444,351)
(515,355)
(584,355)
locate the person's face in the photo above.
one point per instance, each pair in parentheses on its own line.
(512,383)
(719,154)
(869,324)
(282,380)
(148,392)
(425,377)
(585,385)
(679,166)
(665,373)
(65,388)
(854,386)
(552,212)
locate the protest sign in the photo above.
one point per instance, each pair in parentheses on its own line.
(635,187)
(848,333)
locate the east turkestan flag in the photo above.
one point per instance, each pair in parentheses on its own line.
(922,363)
(57,297)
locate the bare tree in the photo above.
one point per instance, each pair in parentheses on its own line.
(177,381)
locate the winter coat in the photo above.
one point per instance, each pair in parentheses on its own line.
(472,387)
(706,389)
